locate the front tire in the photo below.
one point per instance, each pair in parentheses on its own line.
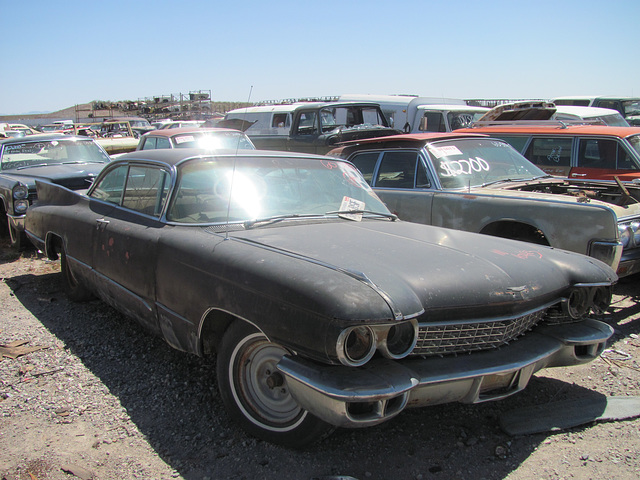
(255,393)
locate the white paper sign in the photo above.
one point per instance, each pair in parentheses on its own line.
(351,204)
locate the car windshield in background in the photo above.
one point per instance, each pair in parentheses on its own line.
(464,163)
(635,142)
(631,107)
(260,190)
(37,153)
(616,120)
(218,140)
(463,119)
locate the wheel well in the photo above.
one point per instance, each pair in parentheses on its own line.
(215,324)
(516,231)
(53,246)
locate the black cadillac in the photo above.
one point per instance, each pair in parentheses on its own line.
(322,308)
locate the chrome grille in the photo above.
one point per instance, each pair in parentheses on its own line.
(443,338)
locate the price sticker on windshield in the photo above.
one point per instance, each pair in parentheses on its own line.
(445,151)
(351,205)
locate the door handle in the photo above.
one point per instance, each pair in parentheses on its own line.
(573,175)
(101,224)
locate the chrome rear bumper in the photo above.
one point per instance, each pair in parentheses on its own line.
(376,392)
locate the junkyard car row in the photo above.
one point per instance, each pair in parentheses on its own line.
(313,280)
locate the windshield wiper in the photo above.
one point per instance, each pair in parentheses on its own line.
(275,219)
(506,180)
(33,166)
(368,212)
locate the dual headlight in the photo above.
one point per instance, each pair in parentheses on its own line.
(20,199)
(356,345)
(629,233)
(581,300)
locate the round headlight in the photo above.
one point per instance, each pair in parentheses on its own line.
(20,206)
(625,235)
(399,340)
(577,303)
(20,192)
(601,299)
(356,346)
(635,228)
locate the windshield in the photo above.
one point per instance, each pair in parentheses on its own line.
(614,120)
(52,128)
(35,153)
(464,163)
(350,117)
(635,142)
(218,140)
(631,107)
(463,119)
(262,188)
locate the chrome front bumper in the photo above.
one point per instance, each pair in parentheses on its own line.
(16,222)
(376,392)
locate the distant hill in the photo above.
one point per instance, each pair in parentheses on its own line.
(85,108)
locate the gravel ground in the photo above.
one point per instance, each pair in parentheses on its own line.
(102,399)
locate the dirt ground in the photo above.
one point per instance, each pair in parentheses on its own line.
(101,399)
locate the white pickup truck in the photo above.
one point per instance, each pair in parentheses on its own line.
(423,114)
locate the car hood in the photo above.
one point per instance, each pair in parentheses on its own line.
(444,272)
(72,176)
(624,199)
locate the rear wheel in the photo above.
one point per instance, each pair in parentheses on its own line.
(256,393)
(75,290)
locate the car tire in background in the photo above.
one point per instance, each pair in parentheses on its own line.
(255,393)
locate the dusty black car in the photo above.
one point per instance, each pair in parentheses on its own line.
(323,309)
(63,159)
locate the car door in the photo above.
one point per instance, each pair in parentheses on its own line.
(400,179)
(125,240)
(305,133)
(603,159)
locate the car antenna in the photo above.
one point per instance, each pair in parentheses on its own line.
(233,171)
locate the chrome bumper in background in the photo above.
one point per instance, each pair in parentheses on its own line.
(376,392)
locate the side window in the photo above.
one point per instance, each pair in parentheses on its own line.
(111,187)
(432,122)
(397,170)
(163,142)
(553,151)
(601,153)
(279,120)
(366,163)
(422,180)
(149,143)
(146,190)
(307,123)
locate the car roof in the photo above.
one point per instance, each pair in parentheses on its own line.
(452,107)
(170,132)
(559,129)
(585,112)
(414,137)
(174,156)
(290,107)
(593,97)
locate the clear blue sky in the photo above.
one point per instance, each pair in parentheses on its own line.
(56,54)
